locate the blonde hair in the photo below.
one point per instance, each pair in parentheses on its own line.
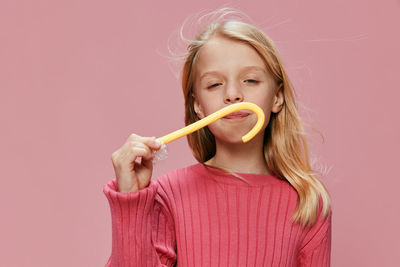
(285,146)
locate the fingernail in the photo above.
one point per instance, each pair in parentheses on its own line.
(157,143)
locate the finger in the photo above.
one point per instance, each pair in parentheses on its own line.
(152,143)
(149,141)
(148,163)
(141,150)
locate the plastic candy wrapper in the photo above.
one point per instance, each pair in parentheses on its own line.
(160,154)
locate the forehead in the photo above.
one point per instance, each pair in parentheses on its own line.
(223,54)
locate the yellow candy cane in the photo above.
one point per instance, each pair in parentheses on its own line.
(217,115)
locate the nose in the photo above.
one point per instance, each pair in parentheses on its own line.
(233,95)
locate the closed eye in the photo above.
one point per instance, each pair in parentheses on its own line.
(251,81)
(213,85)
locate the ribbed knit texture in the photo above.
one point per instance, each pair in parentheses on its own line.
(199,216)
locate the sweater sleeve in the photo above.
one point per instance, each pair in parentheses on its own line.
(316,246)
(142,228)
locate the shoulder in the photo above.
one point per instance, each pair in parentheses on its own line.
(176,176)
(287,191)
(174,182)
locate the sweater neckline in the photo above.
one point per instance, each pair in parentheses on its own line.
(221,176)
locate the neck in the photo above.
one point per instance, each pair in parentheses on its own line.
(241,158)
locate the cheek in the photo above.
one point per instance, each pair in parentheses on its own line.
(208,110)
(266,102)
(208,105)
(263,101)
(267,107)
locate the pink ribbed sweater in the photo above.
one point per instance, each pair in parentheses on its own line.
(199,216)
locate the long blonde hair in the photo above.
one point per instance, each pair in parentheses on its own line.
(285,146)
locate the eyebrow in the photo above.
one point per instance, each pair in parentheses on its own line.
(247,68)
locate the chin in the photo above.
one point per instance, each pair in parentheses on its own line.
(229,134)
(231,139)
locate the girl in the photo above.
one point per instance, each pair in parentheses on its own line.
(243,204)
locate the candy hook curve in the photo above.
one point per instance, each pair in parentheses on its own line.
(217,115)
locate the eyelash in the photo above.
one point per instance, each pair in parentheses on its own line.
(248,80)
(252,81)
(213,85)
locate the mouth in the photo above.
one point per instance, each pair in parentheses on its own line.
(236,115)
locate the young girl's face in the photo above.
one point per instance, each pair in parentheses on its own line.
(228,72)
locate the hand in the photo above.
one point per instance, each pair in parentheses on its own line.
(133,164)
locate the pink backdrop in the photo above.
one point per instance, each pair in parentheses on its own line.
(77,77)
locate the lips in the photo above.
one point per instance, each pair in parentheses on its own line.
(236,115)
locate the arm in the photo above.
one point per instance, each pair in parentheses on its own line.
(142,229)
(316,246)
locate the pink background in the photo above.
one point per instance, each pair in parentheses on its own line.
(77,77)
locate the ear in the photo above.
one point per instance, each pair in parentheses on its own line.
(278,100)
(197,108)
